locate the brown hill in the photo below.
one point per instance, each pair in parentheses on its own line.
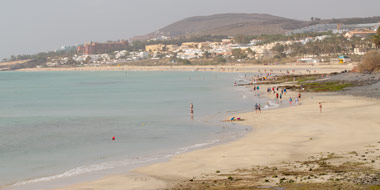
(228,24)
(232,24)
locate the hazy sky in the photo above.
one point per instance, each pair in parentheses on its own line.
(30,26)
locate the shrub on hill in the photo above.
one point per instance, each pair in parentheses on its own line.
(370,62)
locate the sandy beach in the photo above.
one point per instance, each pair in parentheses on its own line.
(347,123)
(299,68)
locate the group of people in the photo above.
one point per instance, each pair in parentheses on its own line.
(258,108)
(280,93)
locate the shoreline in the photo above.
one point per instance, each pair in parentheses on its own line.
(222,139)
(299,69)
(280,144)
(240,131)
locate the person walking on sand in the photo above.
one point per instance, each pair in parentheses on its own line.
(299,95)
(257,108)
(320,107)
(290,100)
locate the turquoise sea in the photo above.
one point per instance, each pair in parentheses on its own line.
(56,127)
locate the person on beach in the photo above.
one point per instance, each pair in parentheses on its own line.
(320,107)
(296,100)
(299,95)
(290,100)
(191,108)
(277,95)
(257,108)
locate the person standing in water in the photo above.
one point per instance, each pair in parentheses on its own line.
(191,108)
(191,111)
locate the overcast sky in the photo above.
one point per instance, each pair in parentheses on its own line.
(30,26)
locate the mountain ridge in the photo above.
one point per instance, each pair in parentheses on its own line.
(231,24)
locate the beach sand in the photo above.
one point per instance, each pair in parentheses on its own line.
(294,133)
(300,68)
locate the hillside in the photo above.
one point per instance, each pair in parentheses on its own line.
(228,24)
(232,24)
(374,19)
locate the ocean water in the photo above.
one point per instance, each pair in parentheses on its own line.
(57,126)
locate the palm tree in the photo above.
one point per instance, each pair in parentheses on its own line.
(376,39)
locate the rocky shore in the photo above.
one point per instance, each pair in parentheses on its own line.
(367,85)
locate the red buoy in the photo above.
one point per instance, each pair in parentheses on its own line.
(113,138)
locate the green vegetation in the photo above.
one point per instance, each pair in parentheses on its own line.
(332,45)
(269,38)
(305,78)
(239,54)
(279,51)
(309,83)
(374,19)
(180,61)
(376,38)
(326,86)
(220,60)
(297,78)
(42,57)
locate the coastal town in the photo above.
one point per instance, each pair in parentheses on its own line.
(318,44)
(229,48)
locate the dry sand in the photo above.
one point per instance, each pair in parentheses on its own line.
(219,68)
(346,124)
